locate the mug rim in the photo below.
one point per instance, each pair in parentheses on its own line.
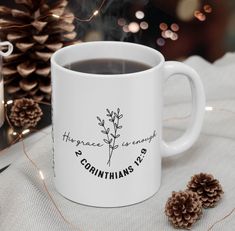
(152,68)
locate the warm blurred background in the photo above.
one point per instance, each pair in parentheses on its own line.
(178,28)
(37,28)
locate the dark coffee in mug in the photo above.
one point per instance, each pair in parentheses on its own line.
(107,66)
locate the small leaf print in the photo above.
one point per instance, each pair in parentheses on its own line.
(111,137)
(115,147)
(106,141)
(119,117)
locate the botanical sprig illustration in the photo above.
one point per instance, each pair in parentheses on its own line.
(111,137)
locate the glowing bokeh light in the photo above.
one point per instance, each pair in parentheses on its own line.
(9,102)
(186,8)
(163,34)
(125,28)
(96,12)
(168,33)
(199,15)
(207,8)
(41,174)
(121,22)
(25,131)
(160,42)
(139,14)
(174,36)
(196,13)
(55,16)
(175,27)
(202,17)
(133,27)
(144,25)
(209,108)
(163,26)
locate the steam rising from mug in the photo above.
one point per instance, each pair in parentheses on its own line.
(105,26)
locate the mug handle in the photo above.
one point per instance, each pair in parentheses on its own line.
(10,48)
(198,108)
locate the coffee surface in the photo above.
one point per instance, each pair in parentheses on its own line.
(107,66)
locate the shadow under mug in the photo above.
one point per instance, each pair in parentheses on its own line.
(107,129)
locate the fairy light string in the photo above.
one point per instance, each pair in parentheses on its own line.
(41,176)
(222,219)
(87,19)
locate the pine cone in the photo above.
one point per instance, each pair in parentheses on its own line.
(36,29)
(25,113)
(207,187)
(183,209)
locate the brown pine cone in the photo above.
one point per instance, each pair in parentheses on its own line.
(207,187)
(25,113)
(183,209)
(36,29)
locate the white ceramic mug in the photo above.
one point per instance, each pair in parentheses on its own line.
(107,129)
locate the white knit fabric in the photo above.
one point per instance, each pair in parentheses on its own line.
(25,206)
